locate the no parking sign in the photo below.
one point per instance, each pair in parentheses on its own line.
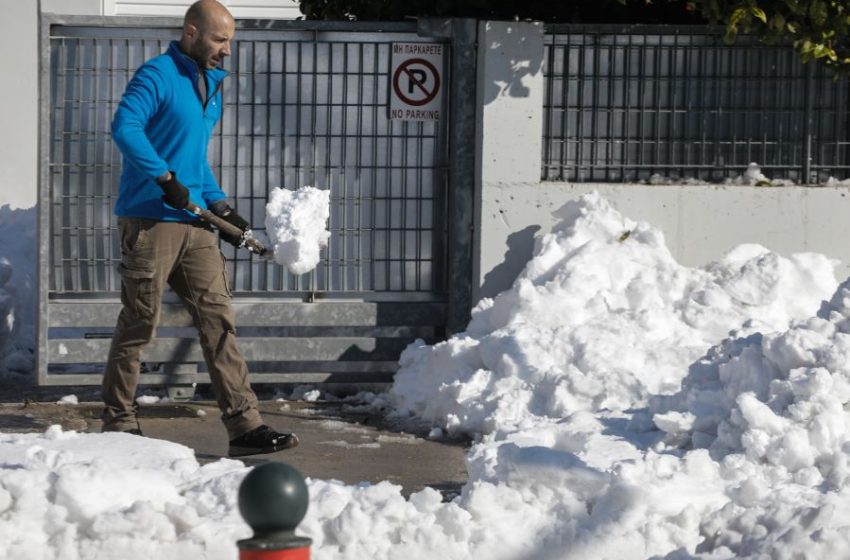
(416,81)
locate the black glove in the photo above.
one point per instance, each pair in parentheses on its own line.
(176,195)
(221,209)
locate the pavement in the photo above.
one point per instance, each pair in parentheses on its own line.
(337,441)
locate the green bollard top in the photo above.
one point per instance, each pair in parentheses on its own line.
(273,500)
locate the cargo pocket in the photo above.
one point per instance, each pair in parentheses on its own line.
(134,234)
(225,279)
(137,288)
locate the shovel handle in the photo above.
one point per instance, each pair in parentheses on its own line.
(223,225)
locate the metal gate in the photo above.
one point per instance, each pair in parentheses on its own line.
(305,104)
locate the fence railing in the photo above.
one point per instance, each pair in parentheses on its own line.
(304,105)
(624,103)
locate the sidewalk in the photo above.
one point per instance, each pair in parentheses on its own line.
(335,444)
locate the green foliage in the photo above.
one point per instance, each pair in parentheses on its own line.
(818,29)
(577,11)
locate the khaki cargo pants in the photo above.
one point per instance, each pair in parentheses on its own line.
(187,257)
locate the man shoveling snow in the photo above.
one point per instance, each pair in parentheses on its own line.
(162,127)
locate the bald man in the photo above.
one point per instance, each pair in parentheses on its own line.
(162,127)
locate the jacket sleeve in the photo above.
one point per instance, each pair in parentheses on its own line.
(141,99)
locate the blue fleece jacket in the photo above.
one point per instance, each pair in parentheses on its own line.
(162,125)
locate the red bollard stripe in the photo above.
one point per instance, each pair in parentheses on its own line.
(288,554)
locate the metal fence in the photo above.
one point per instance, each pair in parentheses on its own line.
(624,103)
(305,104)
(302,107)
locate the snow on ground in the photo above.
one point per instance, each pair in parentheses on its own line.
(624,406)
(85,496)
(296,223)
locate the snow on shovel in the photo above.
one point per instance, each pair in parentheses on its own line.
(295,223)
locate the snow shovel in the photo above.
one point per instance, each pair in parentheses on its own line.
(247,236)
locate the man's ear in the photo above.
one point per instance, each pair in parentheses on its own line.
(190,30)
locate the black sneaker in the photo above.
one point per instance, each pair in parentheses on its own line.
(261,440)
(134,431)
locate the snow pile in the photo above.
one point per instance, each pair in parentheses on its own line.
(98,496)
(102,496)
(18,287)
(777,397)
(614,421)
(601,318)
(771,408)
(296,223)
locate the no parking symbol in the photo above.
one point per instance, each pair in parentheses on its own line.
(416,81)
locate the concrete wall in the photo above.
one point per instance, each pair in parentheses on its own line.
(246,9)
(509,143)
(73,7)
(700,223)
(19,103)
(19,96)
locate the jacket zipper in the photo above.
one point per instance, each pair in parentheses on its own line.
(205,102)
(214,93)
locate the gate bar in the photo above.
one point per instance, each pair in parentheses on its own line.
(463,33)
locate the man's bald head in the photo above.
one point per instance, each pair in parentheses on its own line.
(203,12)
(208,28)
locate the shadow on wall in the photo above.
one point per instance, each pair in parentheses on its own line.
(505,75)
(520,250)
(18,287)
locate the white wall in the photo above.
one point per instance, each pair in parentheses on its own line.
(700,223)
(19,103)
(509,138)
(246,9)
(73,7)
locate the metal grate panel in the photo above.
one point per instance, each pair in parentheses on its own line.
(302,107)
(305,105)
(622,104)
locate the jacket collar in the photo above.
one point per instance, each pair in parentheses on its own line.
(188,64)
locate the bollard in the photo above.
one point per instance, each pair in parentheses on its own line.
(273,500)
